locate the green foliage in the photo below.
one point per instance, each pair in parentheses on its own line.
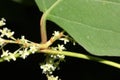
(94,24)
(25,2)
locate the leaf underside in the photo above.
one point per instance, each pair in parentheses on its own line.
(94,24)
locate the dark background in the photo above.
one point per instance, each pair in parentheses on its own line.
(24,20)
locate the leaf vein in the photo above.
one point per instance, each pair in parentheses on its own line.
(112,2)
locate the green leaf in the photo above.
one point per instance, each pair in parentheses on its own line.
(94,24)
(25,2)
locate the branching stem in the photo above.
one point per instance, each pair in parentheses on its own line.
(44,48)
(83,56)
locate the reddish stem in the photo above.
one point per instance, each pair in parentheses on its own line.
(43,32)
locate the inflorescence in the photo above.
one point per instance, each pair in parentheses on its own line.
(28,47)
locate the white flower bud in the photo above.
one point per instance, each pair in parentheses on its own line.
(2,22)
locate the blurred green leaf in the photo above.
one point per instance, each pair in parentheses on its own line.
(25,2)
(94,24)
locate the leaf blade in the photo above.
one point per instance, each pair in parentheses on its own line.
(94,24)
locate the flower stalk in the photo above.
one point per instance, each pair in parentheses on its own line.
(82,56)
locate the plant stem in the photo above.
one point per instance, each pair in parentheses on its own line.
(43,31)
(83,56)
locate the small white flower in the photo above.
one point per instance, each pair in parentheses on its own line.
(6,32)
(10,34)
(61,47)
(25,53)
(12,56)
(65,40)
(47,68)
(51,77)
(1,41)
(5,53)
(2,22)
(56,33)
(33,49)
(23,40)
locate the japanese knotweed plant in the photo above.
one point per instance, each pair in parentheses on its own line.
(88,22)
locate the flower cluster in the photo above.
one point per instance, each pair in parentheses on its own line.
(59,48)
(53,61)
(27,47)
(21,52)
(64,38)
(6,32)
(27,51)
(8,55)
(47,68)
